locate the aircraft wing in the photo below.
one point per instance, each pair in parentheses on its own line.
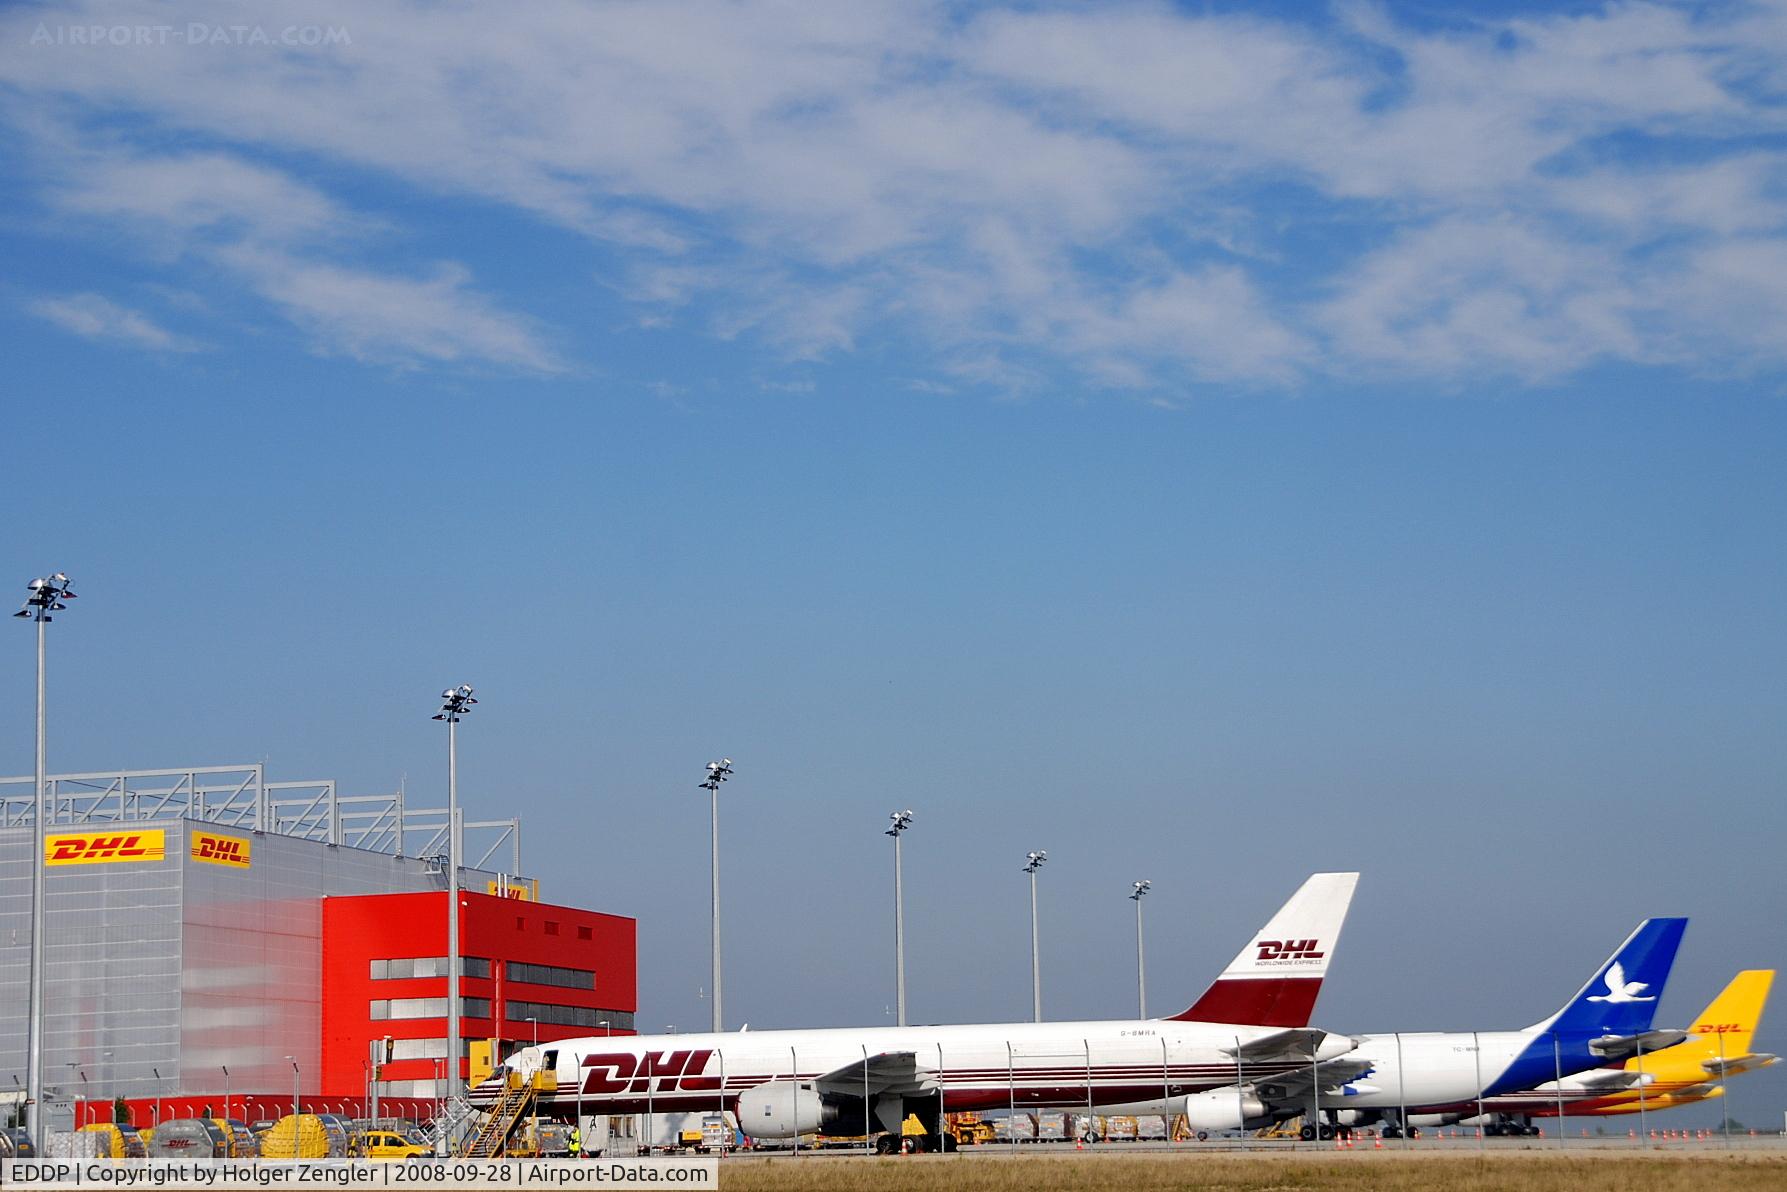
(1299,1043)
(1293,1088)
(894,1072)
(1623,1046)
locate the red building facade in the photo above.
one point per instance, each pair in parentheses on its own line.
(529,970)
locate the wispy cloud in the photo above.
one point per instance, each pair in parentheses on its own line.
(92,316)
(1138,194)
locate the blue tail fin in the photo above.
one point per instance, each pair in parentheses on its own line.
(1621,998)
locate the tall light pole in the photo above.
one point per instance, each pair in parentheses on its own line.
(455,702)
(295,1132)
(47,596)
(717,772)
(1141,971)
(1034,862)
(901,821)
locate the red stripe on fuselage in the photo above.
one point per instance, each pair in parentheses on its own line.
(1263,1001)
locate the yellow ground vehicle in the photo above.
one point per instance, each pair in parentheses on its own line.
(970,1129)
(389,1144)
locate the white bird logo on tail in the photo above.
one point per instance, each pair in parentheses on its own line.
(1620,990)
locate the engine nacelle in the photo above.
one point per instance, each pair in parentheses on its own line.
(1222,1109)
(1431,1120)
(780,1109)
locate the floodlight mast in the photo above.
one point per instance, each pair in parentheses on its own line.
(455,702)
(1141,889)
(47,596)
(901,821)
(1033,863)
(717,773)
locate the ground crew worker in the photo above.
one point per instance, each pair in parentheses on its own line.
(576,1142)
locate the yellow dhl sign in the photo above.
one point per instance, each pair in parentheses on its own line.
(220,850)
(526,891)
(102,848)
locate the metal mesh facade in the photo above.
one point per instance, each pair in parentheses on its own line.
(181,966)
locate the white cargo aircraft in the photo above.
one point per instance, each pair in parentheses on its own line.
(1251,1024)
(1408,1080)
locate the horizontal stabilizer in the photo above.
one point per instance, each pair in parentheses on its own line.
(1610,1080)
(1304,1043)
(1622,1046)
(1739,1063)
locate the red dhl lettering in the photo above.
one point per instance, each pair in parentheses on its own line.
(1289,950)
(97,848)
(1723,1028)
(220,850)
(655,1071)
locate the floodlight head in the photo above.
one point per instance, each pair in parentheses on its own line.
(60,577)
(37,583)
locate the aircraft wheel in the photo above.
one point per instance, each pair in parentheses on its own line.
(887,1144)
(1414,1131)
(1203,1136)
(1391,1132)
(949,1143)
(1307,1134)
(1325,1133)
(911,1145)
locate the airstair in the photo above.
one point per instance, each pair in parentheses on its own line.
(520,1090)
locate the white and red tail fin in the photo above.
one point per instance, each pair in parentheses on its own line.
(1278,975)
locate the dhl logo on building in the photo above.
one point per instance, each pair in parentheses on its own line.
(101,848)
(514,887)
(220,850)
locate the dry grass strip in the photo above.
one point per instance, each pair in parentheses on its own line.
(1381,1172)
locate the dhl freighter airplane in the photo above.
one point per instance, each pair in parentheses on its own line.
(1717,1047)
(1252,1022)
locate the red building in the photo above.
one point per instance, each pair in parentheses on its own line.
(530,970)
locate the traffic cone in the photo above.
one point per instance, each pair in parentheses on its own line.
(1377,1142)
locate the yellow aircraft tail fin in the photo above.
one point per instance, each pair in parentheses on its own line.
(1735,1013)
(1724,1030)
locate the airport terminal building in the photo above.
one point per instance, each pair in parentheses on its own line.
(207,930)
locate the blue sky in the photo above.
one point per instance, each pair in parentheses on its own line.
(1207,442)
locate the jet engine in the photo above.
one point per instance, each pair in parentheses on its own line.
(1223,1109)
(785,1108)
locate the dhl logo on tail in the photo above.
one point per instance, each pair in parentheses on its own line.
(1289,949)
(99,848)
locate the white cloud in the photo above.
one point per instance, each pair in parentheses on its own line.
(382,318)
(94,317)
(1128,189)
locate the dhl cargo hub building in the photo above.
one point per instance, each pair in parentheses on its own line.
(210,950)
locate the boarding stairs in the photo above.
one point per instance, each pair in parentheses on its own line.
(520,1091)
(452,1124)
